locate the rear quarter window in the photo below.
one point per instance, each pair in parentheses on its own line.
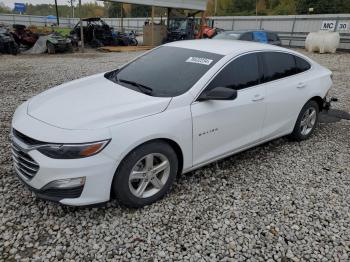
(301,64)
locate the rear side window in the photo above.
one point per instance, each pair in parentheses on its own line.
(278,65)
(301,65)
(241,73)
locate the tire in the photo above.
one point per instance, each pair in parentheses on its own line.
(133,42)
(306,124)
(70,48)
(139,190)
(50,48)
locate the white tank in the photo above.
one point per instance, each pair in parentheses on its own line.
(322,42)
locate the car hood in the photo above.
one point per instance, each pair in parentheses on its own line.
(93,102)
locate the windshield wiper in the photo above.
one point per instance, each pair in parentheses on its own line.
(144,89)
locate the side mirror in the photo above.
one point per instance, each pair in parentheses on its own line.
(218,93)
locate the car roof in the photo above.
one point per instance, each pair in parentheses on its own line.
(225,47)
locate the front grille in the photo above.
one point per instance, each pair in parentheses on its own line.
(25,166)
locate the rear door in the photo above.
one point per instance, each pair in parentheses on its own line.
(220,127)
(286,91)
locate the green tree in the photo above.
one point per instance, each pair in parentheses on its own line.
(322,6)
(4,9)
(285,7)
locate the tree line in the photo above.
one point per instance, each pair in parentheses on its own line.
(215,7)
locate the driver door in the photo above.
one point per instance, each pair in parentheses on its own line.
(223,126)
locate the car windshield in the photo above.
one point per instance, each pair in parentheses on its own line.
(178,24)
(165,72)
(229,36)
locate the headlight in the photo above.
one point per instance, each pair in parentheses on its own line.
(73,151)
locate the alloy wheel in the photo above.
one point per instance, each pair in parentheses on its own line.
(149,175)
(308,121)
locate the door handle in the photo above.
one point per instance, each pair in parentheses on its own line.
(257,98)
(301,85)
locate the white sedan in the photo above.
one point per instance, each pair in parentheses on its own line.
(128,133)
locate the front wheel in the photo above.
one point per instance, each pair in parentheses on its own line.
(133,42)
(145,175)
(50,48)
(306,122)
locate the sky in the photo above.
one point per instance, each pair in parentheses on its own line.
(10,3)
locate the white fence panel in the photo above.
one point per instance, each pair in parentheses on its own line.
(292,29)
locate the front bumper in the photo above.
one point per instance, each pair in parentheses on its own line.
(97,170)
(54,194)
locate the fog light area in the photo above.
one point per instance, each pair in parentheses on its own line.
(66,183)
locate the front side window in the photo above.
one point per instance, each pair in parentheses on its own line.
(166,71)
(278,65)
(241,73)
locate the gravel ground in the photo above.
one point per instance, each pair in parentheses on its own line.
(282,201)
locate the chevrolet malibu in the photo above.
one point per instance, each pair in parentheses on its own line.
(129,132)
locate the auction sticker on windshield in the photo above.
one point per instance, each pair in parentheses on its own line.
(199,60)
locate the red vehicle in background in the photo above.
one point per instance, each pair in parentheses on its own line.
(190,27)
(205,29)
(24,36)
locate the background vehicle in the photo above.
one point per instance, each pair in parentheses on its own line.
(58,43)
(256,36)
(125,39)
(7,43)
(24,36)
(131,131)
(190,27)
(96,32)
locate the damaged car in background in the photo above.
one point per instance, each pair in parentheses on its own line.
(7,43)
(23,36)
(129,132)
(58,43)
(98,33)
(32,40)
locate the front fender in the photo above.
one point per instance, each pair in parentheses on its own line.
(174,124)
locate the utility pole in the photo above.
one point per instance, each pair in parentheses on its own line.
(72,6)
(58,19)
(122,17)
(81,27)
(215,7)
(256,13)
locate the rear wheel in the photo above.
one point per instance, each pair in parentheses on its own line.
(306,122)
(145,175)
